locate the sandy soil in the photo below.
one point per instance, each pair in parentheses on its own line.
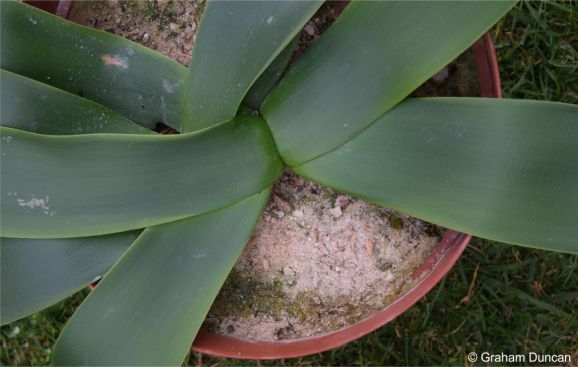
(318,260)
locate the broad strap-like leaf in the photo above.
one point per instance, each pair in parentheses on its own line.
(375,54)
(149,307)
(85,185)
(131,79)
(506,170)
(236,41)
(27,104)
(38,273)
(270,77)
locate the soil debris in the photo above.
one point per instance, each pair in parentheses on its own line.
(458,78)
(318,260)
(165,26)
(330,260)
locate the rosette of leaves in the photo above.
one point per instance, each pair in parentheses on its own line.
(88,189)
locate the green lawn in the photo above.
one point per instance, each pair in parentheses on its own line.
(498,298)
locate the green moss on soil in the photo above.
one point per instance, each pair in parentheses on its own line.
(248,296)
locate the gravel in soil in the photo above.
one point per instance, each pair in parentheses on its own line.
(168,26)
(318,260)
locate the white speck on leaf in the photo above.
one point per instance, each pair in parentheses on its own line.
(199,255)
(270,19)
(34,203)
(109,311)
(164,108)
(168,87)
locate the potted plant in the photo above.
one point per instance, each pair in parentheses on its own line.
(329,118)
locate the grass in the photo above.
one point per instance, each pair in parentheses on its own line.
(498,298)
(536,45)
(29,341)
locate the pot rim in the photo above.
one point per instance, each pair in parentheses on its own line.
(432,270)
(428,274)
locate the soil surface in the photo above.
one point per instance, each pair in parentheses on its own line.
(167,26)
(459,78)
(318,260)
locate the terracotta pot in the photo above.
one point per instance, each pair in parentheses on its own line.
(427,275)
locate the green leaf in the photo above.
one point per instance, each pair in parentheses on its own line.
(270,77)
(149,307)
(236,41)
(506,170)
(38,273)
(84,185)
(27,104)
(131,79)
(375,54)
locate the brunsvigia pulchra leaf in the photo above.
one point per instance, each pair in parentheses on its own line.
(39,272)
(83,179)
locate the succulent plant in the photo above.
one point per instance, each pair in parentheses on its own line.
(88,186)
